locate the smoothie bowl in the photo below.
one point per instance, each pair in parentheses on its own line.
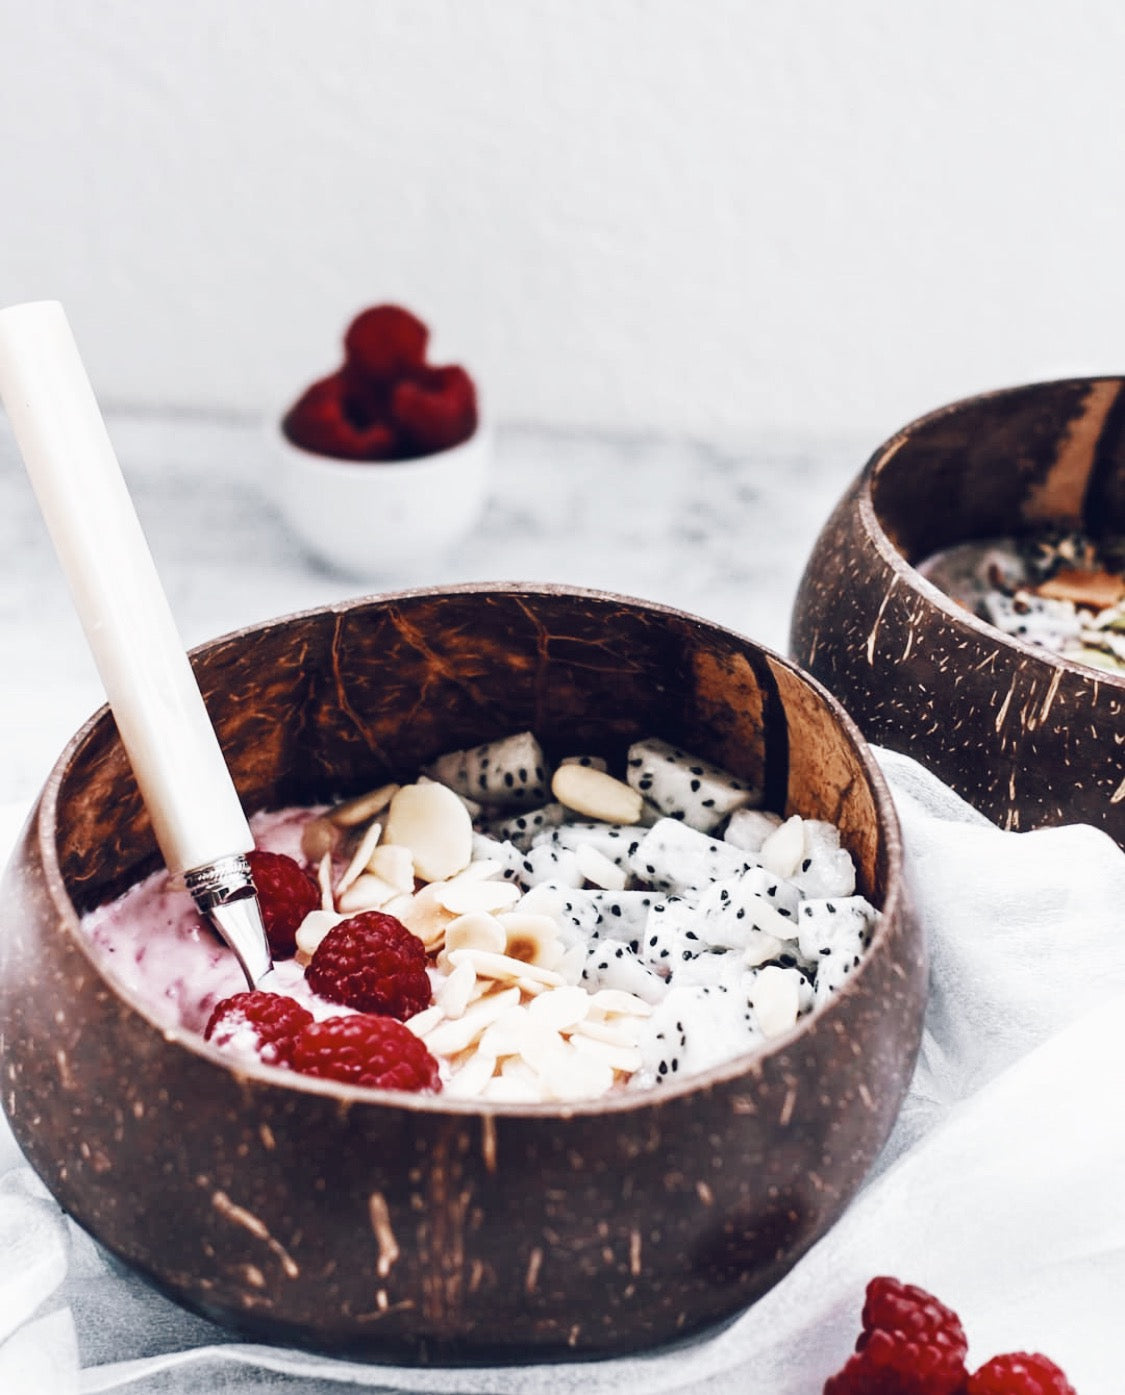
(963,601)
(427,1226)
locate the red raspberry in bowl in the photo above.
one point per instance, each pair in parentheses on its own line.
(372,963)
(435,408)
(286,894)
(1019,1373)
(362,1050)
(385,342)
(258,1024)
(333,418)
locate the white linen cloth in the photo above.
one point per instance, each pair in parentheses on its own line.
(1002,1188)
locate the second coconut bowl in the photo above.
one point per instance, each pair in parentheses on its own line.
(1029,737)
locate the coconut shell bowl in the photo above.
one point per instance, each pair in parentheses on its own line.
(409,1227)
(1030,738)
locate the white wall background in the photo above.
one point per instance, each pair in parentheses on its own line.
(713,216)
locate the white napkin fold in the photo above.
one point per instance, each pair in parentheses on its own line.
(1001,1188)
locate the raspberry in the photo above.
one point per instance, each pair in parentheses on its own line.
(1019,1373)
(910,1345)
(363,1050)
(385,342)
(891,1364)
(330,419)
(892,1306)
(286,895)
(435,408)
(374,964)
(261,1024)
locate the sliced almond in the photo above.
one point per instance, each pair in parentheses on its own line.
(505,1089)
(313,929)
(596,795)
(433,823)
(615,1033)
(626,1059)
(452,1036)
(324,881)
(762,948)
(561,1008)
(783,850)
(774,995)
(360,858)
(470,1080)
(366,893)
(395,865)
(319,836)
(425,1021)
(465,894)
(576,1076)
(454,994)
(474,809)
(503,967)
(422,916)
(597,868)
(616,1000)
(477,930)
(531,938)
(508,1034)
(355,811)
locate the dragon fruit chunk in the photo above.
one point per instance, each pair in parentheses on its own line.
(695,1027)
(611,964)
(668,940)
(748,829)
(834,934)
(547,864)
(573,910)
(486,849)
(686,787)
(731,911)
(617,841)
(826,869)
(673,857)
(522,829)
(623,915)
(502,774)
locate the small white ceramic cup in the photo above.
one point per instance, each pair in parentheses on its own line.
(372,519)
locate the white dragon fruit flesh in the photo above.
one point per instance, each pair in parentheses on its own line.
(826,869)
(673,857)
(686,787)
(748,829)
(613,964)
(501,774)
(694,1027)
(522,829)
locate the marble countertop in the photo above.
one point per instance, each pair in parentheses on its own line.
(720,531)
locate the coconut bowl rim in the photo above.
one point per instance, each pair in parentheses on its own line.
(896,903)
(904,571)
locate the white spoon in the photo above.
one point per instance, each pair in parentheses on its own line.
(183,778)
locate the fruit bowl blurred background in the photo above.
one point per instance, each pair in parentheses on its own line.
(383,461)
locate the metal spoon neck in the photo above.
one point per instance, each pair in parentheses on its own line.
(224,893)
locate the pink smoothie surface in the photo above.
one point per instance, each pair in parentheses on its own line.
(152,942)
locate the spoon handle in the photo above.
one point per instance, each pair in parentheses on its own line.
(196,815)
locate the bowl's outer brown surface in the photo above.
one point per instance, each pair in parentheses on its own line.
(395,1226)
(1028,737)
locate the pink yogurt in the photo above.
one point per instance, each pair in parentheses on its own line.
(152,942)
